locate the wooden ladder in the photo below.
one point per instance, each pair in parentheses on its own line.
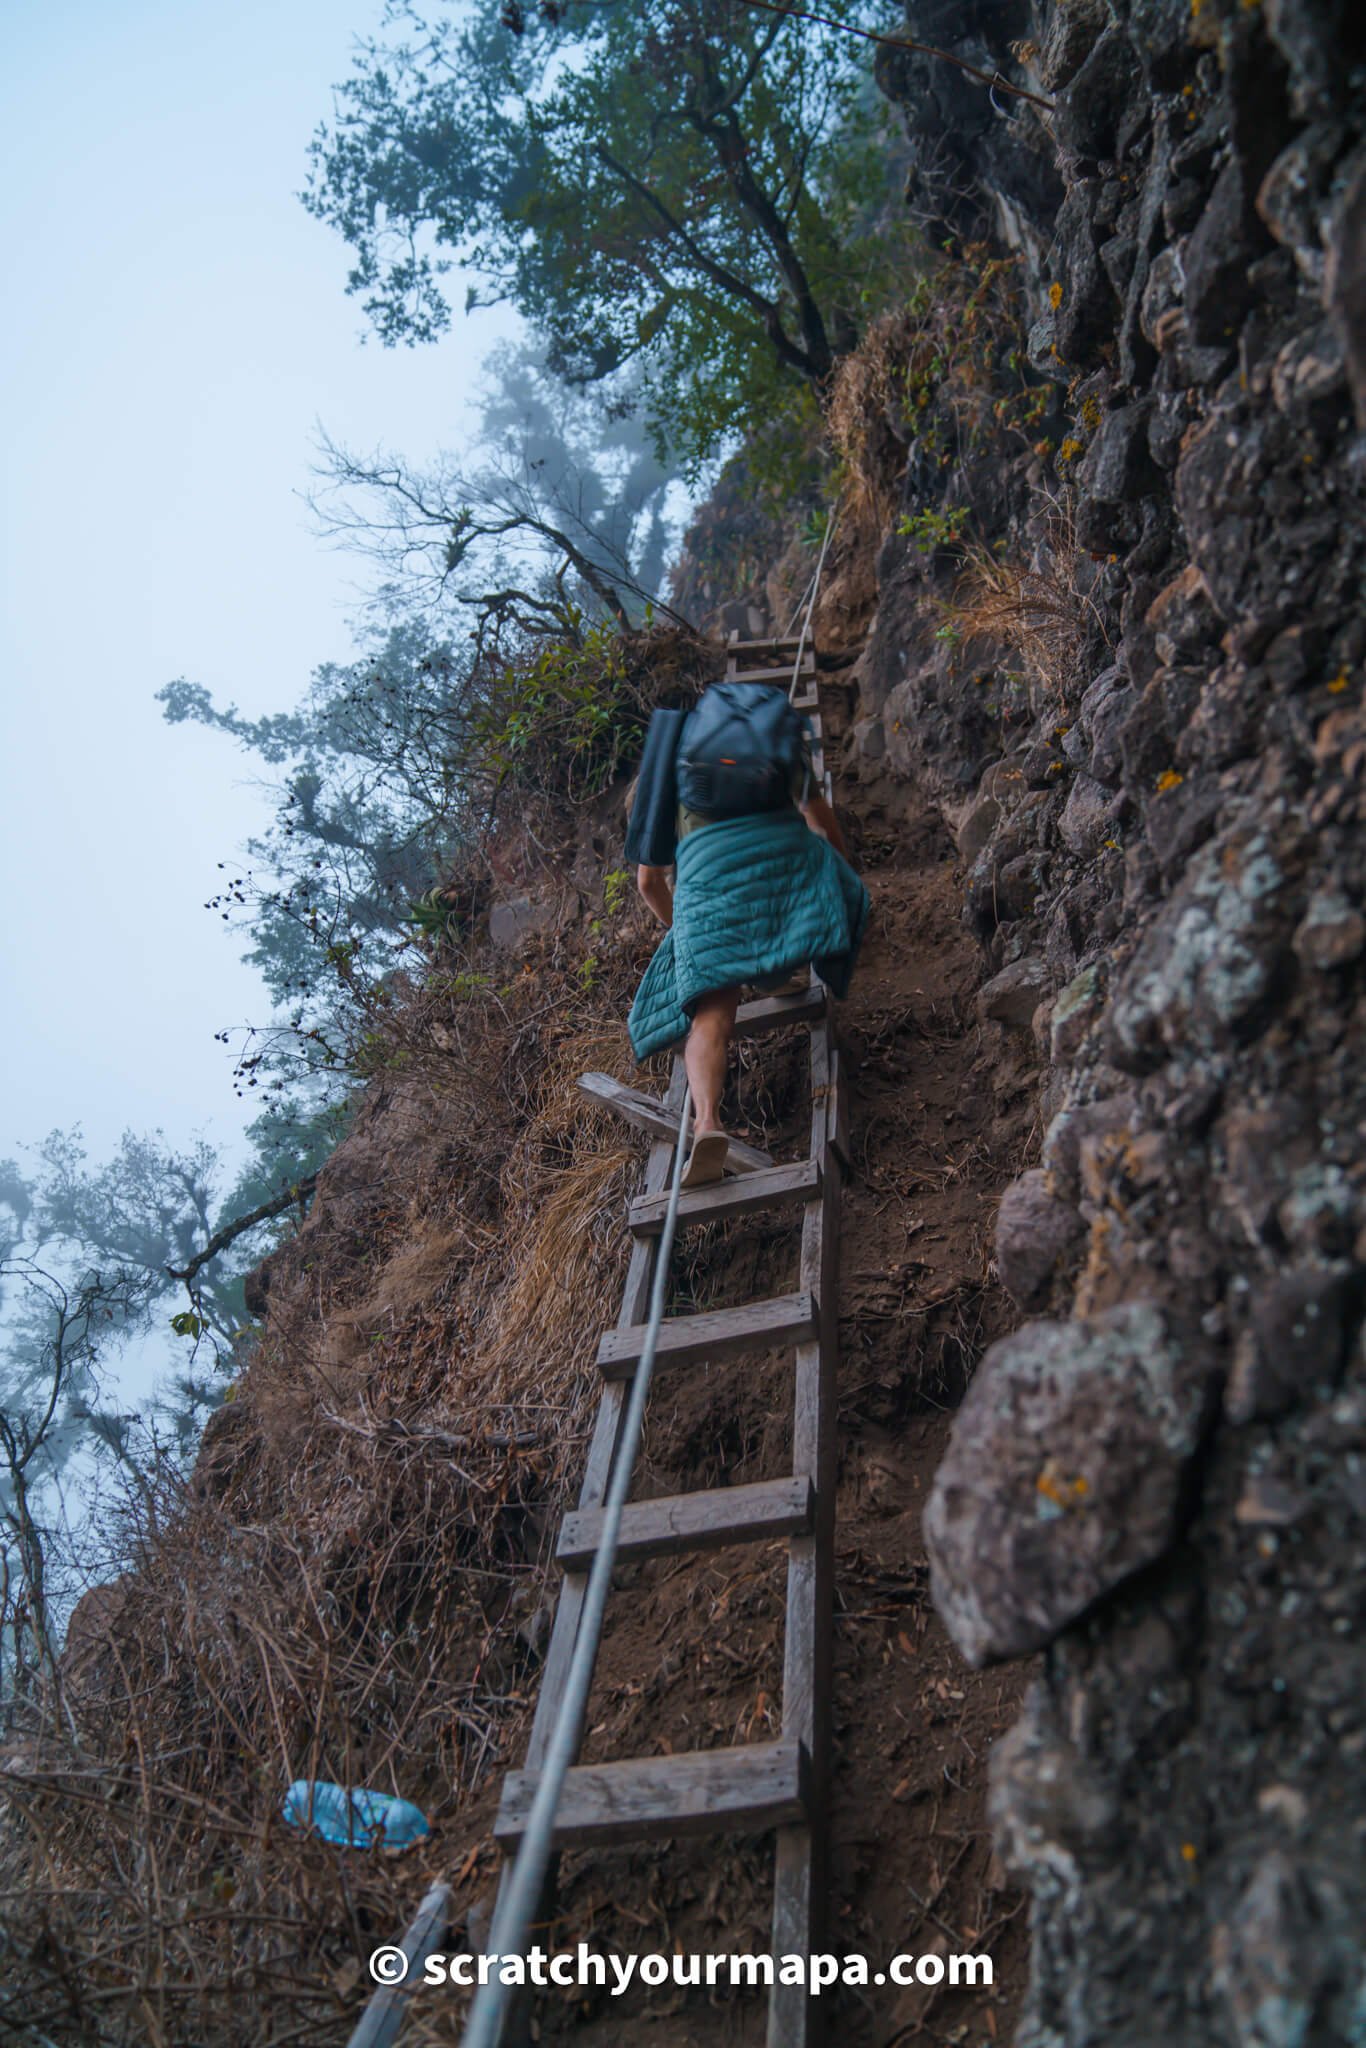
(780,1784)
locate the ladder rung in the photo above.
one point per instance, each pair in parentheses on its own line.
(810,702)
(703,1792)
(798,1182)
(735,645)
(647,1113)
(769,675)
(714,1334)
(706,1520)
(771,1013)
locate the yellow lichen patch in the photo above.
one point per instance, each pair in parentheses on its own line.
(1189,1852)
(1091,413)
(1071,449)
(1339,682)
(1055,296)
(1054,1484)
(1169,779)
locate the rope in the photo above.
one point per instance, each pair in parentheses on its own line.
(814,588)
(800,602)
(513,1917)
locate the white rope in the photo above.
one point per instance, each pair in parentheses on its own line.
(801,601)
(814,587)
(522,1896)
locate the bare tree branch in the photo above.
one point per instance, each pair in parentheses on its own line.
(221,1239)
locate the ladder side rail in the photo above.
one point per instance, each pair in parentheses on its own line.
(387,2007)
(802,1853)
(635,1302)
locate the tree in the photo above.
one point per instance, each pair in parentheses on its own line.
(93,1259)
(368,815)
(561,512)
(143,1213)
(664,185)
(45,1397)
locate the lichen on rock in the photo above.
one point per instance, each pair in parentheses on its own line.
(1065,1474)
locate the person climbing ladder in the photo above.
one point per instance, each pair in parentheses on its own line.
(763,887)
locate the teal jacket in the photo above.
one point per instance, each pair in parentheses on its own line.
(754,896)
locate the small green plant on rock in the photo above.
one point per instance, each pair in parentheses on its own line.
(931,530)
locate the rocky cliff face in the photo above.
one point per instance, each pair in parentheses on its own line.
(1141,709)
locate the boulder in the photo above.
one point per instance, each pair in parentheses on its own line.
(1117,469)
(1331,933)
(1047,1803)
(1091,107)
(1178,820)
(1034,1233)
(1088,816)
(1065,1474)
(1291,1341)
(977,827)
(1072,34)
(1226,237)
(1323,43)
(1012,996)
(1209,961)
(1181,618)
(1000,890)
(1282,1951)
(1166,282)
(1311,367)
(869,738)
(1072,1127)
(1346,285)
(1104,710)
(1077,1008)
(1291,194)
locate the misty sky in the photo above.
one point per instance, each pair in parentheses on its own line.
(176,327)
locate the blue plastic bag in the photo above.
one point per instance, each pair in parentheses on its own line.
(354,1820)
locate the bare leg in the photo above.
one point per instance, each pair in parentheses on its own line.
(704,1055)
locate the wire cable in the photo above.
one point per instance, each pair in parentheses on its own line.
(513,1917)
(814,587)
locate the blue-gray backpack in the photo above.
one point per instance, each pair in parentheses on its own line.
(740,749)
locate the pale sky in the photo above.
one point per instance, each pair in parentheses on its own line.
(176,328)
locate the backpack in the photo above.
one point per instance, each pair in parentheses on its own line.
(741,748)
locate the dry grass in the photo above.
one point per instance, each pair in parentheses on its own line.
(865,415)
(940,375)
(1034,607)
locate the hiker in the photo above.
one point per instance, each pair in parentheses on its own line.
(763,890)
